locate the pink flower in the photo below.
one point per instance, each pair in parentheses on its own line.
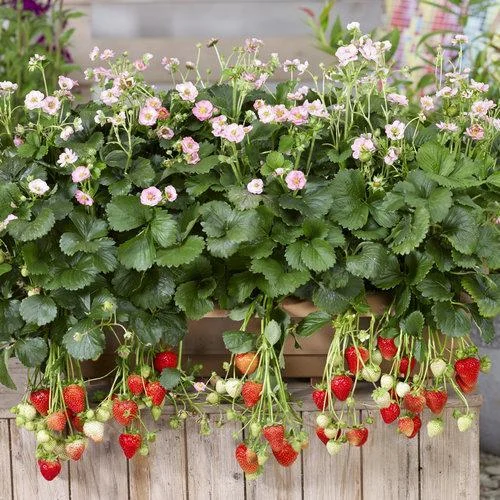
(80,174)
(18,141)
(153,102)
(447,126)
(203,110)
(192,158)
(148,116)
(234,133)
(346,54)
(170,193)
(255,186)
(170,63)
(199,386)
(189,145)
(281,114)
(427,103)
(165,132)
(107,54)
(66,83)
(151,196)
(187,91)
(475,132)
(266,113)
(94,53)
(298,115)
(368,49)
(51,105)
(295,65)
(363,147)
(481,108)
(66,133)
(252,45)
(446,92)
(295,180)
(140,65)
(83,198)
(316,108)
(34,100)
(395,130)
(399,99)
(391,156)
(110,96)
(479,86)
(259,103)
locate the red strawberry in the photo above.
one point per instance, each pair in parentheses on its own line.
(49,469)
(74,449)
(275,435)
(468,370)
(357,436)
(466,388)
(341,386)
(406,426)
(74,398)
(414,402)
(124,411)
(56,421)
(130,443)
(417,423)
(390,413)
(250,393)
(156,392)
(320,398)
(76,421)
(247,362)
(436,400)
(135,384)
(387,347)
(406,366)
(247,459)
(165,359)
(354,357)
(285,455)
(40,400)
(320,432)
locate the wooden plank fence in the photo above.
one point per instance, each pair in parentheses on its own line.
(183,465)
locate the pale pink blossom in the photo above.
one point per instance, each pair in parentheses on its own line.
(151,196)
(447,92)
(34,100)
(391,156)
(148,116)
(260,80)
(66,83)
(107,54)
(278,172)
(475,132)
(189,145)
(234,133)
(252,45)
(459,39)
(18,141)
(163,113)
(38,187)
(170,193)
(399,99)
(83,198)
(298,115)
(51,105)
(117,120)
(395,130)
(295,65)
(153,102)
(368,49)
(266,114)
(347,54)
(258,104)
(192,158)
(94,53)
(338,108)
(479,86)
(199,386)
(80,174)
(363,147)
(140,65)
(110,96)
(295,180)
(467,93)
(427,103)
(68,157)
(7,88)
(255,186)
(170,63)
(481,108)
(316,108)
(66,133)
(165,132)
(187,91)
(281,114)
(447,126)
(203,110)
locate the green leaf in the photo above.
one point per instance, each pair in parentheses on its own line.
(170,378)
(418,265)
(137,253)
(402,302)
(10,318)
(5,378)
(410,231)
(142,173)
(451,319)
(485,290)
(174,326)
(369,261)
(460,228)
(318,255)
(389,275)
(349,207)
(23,230)
(184,253)
(126,213)
(272,332)
(73,274)
(436,286)
(241,285)
(38,309)
(163,228)
(242,199)
(157,289)
(147,328)
(337,300)
(436,159)
(188,299)
(31,351)
(5,268)
(85,340)
(413,324)
(202,167)
(489,237)
(239,342)
(312,323)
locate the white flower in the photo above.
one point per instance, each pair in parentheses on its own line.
(481,108)
(170,63)
(94,53)
(66,83)
(395,130)
(446,92)
(362,147)
(427,103)
(34,99)
(255,186)
(187,91)
(295,65)
(368,49)
(148,116)
(316,108)
(51,105)
(66,133)
(6,221)
(110,96)
(459,39)
(391,156)
(447,126)
(347,54)
(38,187)
(106,54)
(68,157)
(479,86)
(100,117)
(399,99)
(170,193)
(118,119)
(78,124)
(266,114)
(354,25)
(7,87)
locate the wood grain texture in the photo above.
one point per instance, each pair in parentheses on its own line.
(27,481)
(162,474)
(5,459)
(102,471)
(388,452)
(450,462)
(330,477)
(212,470)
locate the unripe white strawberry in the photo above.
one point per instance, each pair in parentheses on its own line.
(402,389)
(323,420)
(94,430)
(90,414)
(233,387)
(464,422)
(220,386)
(213,398)
(333,447)
(43,436)
(20,420)
(29,426)
(485,364)
(337,360)
(376,357)
(331,432)
(231,415)
(144,450)
(435,427)
(49,445)
(255,429)
(27,411)
(387,381)
(371,373)
(438,367)
(381,397)
(102,414)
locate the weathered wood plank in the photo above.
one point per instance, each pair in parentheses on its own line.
(450,462)
(5,461)
(102,471)
(27,480)
(212,470)
(330,477)
(387,453)
(162,474)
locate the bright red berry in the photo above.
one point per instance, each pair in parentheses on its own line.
(56,421)
(135,384)
(286,454)
(275,435)
(250,392)
(406,426)
(357,436)
(414,402)
(390,413)
(341,386)
(465,388)
(387,347)
(40,400)
(165,359)
(320,398)
(247,459)
(49,469)
(436,400)
(130,443)
(356,358)
(406,366)
(124,411)
(320,432)
(417,423)
(468,370)
(74,398)
(156,392)
(75,449)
